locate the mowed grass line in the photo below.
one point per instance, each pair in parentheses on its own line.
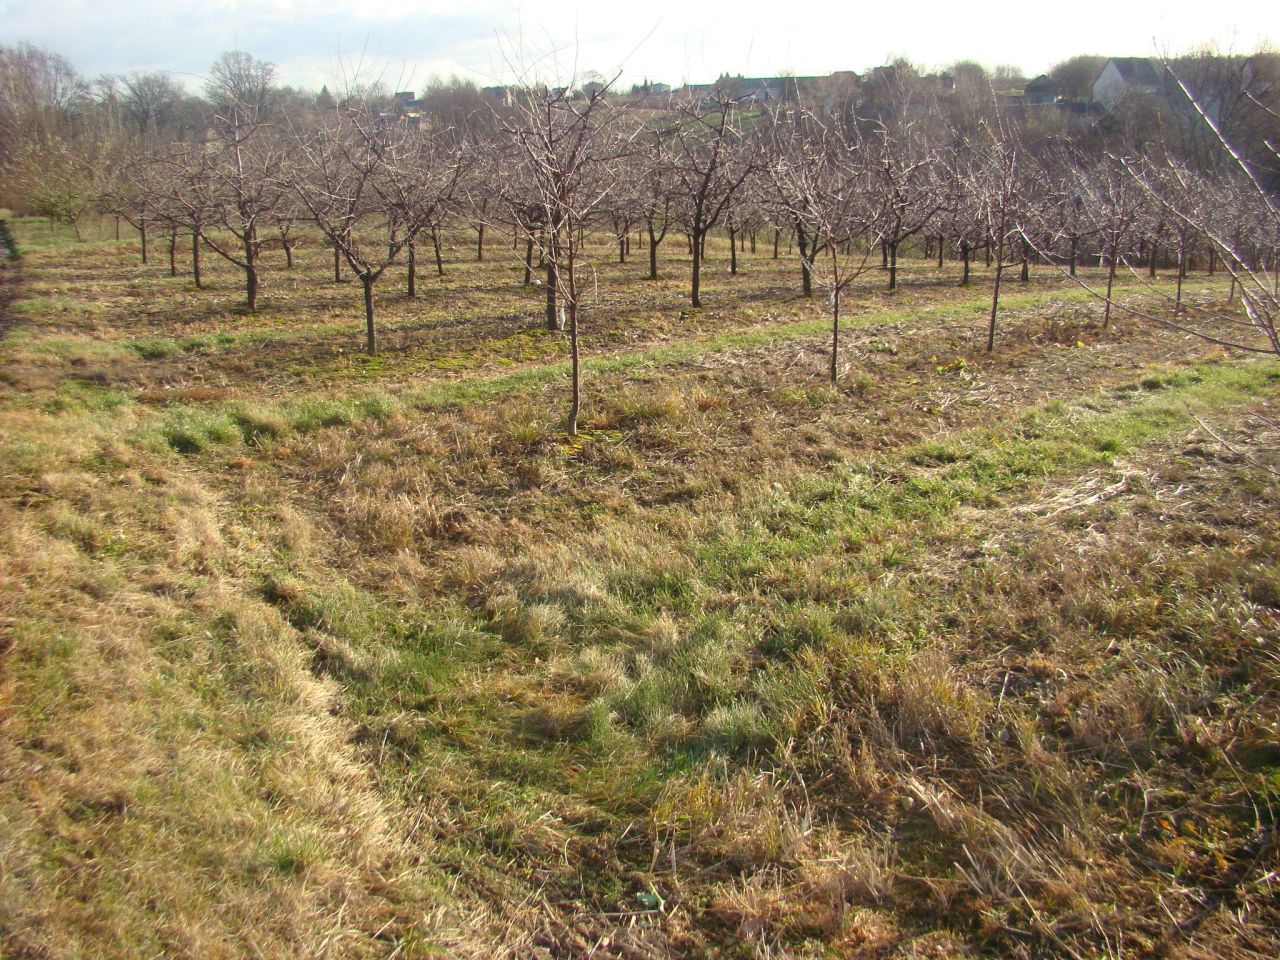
(273,327)
(193,427)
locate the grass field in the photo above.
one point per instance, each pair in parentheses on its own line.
(307,653)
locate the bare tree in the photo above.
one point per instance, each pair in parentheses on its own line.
(240,174)
(148,98)
(372,187)
(1237,220)
(709,165)
(241,162)
(906,175)
(569,152)
(652,174)
(823,179)
(129,190)
(178,184)
(241,89)
(996,173)
(41,94)
(1112,202)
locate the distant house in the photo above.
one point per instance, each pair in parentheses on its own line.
(405,108)
(1123,77)
(1040,91)
(651,90)
(658,89)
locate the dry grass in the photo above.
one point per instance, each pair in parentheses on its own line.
(972,655)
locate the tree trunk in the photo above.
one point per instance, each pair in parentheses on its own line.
(288,255)
(195,259)
(413,269)
(480,243)
(653,253)
(553,322)
(835,330)
(142,234)
(337,264)
(893,265)
(370,334)
(806,268)
(1075,251)
(695,286)
(528,261)
(575,404)
(251,271)
(1025,273)
(776,235)
(995,297)
(940,249)
(1111,279)
(884,255)
(117,229)
(173,253)
(964,257)
(435,243)
(733,253)
(1151,267)
(1213,256)
(1182,272)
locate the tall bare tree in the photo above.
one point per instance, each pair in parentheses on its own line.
(996,171)
(243,156)
(372,186)
(906,170)
(569,152)
(709,162)
(1113,203)
(822,178)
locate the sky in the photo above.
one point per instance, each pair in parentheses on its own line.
(402,43)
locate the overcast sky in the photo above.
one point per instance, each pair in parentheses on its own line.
(403,42)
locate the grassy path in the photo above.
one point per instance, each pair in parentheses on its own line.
(190,427)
